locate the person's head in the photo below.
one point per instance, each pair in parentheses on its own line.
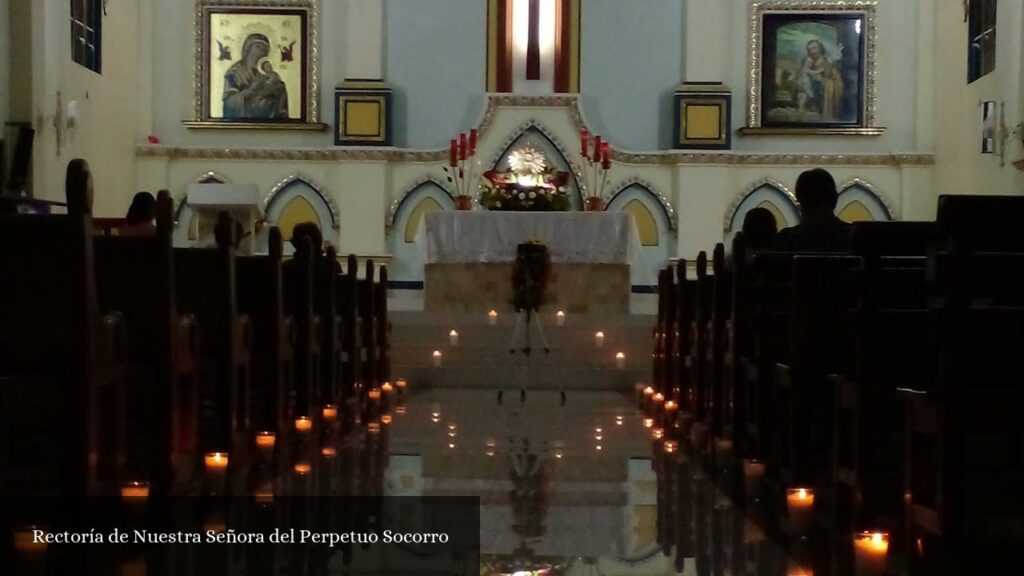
(759,228)
(815,49)
(143,208)
(817,195)
(308,230)
(256,46)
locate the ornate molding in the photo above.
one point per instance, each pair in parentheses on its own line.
(438,156)
(666,204)
(319,190)
(730,212)
(397,204)
(870,188)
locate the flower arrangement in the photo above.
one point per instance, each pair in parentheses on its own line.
(531,185)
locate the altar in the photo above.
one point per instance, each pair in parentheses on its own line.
(470,256)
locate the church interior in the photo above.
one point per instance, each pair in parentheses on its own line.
(588,287)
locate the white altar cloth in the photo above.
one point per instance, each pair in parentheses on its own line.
(571,237)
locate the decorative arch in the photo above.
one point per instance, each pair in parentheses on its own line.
(429,195)
(657,198)
(859,202)
(298,199)
(534,133)
(765,193)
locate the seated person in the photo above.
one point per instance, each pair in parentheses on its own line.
(140,216)
(316,241)
(820,230)
(759,229)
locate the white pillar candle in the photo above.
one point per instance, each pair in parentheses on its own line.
(492,317)
(599,339)
(560,318)
(453,338)
(870,550)
(437,358)
(620,360)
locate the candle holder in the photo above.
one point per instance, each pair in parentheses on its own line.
(620,360)
(135,492)
(265,442)
(492,318)
(437,358)
(453,338)
(753,476)
(559,318)
(800,508)
(870,552)
(330,413)
(599,339)
(303,424)
(216,471)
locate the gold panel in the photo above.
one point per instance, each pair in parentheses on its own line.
(780,220)
(703,121)
(412,225)
(296,211)
(646,225)
(644,526)
(362,117)
(855,212)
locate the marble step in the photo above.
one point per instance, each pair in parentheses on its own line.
(488,356)
(543,378)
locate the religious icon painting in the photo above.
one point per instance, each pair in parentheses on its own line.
(255,63)
(812,68)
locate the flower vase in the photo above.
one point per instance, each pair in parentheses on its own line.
(463,203)
(595,204)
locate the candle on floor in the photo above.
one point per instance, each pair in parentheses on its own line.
(303,468)
(329,452)
(753,474)
(870,550)
(135,492)
(437,358)
(620,360)
(453,338)
(657,433)
(303,424)
(671,446)
(216,468)
(618,420)
(599,339)
(385,419)
(330,413)
(264,494)
(401,384)
(265,443)
(800,505)
(492,317)
(723,447)
(373,395)
(648,422)
(373,427)
(560,318)
(387,388)
(795,569)
(25,541)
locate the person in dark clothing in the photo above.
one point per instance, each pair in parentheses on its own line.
(141,213)
(759,229)
(820,230)
(312,231)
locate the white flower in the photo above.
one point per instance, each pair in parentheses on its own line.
(497,204)
(522,196)
(533,194)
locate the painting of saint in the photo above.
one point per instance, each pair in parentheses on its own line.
(252,90)
(255,66)
(813,70)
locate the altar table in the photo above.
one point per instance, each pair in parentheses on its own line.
(470,257)
(463,237)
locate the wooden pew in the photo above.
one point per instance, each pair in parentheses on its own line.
(206,287)
(699,352)
(299,304)
(368,329)
(383,327)
(51,338)
(325,278)
(347,287)
(686,311)
(720,393)
(261,297)
(135,278)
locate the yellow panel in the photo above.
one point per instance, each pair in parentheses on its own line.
(780,220)
(362,118)
(855,212)
(646,226)
(296,211)
(412,225)
(703,121)
(644,526)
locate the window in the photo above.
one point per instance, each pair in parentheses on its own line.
(86,23)
(981,37)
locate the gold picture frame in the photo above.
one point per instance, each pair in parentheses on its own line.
(784,95)
(256,65)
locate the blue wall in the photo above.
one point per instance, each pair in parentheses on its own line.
(436,61)
(632,61)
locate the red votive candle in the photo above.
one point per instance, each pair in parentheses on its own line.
(453,154)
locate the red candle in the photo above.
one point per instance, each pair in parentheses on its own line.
(453,154)
(584,143)
(606,159)
(472,142)
(597,148)
(463,146)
